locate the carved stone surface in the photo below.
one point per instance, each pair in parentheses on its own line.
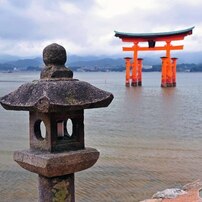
(55,96)
(56,189)
(56,164)
(53,71)
(54,54)
(50,141)
(54,57)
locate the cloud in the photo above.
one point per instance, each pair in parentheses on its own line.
(14,25)
(20,4)
(87,26)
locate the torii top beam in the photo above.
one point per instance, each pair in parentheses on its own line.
(153,37)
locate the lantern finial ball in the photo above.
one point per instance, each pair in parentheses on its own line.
(54,57)
(54,54)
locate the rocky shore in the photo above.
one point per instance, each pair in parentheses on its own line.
(188,193)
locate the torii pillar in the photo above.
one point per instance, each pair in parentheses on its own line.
(139,77)
(128,67)
(174,68)
(168,63)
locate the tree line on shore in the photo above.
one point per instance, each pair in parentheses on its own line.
(102,65)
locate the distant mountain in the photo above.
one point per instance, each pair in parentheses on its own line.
(24,63)
(153,58)
(98,63)
(104,63)
(7,58)
(6,67)
(189,57)
(75,58)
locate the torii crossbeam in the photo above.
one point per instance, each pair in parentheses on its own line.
(168,63)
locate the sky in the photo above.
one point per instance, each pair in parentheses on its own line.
(86,27)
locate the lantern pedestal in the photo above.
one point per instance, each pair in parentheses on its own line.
(56,170)
(56,164)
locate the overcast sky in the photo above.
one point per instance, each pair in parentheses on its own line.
(86,27)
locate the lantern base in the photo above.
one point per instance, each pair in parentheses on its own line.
(56,164)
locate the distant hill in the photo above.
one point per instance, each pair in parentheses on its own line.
(103,63)
(188,57)
(7,58)
(24,63)
(76,58)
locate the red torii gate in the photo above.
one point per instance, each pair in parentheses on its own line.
(168,63)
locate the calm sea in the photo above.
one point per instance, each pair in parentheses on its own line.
(149,139)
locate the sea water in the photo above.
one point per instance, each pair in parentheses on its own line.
(149,139)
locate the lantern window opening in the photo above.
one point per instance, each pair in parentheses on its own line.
(60,128)
(69,127)
(64,129)
(40,130)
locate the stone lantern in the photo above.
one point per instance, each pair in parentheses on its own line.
(55,100)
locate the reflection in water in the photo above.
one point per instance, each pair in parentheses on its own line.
(149,139)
